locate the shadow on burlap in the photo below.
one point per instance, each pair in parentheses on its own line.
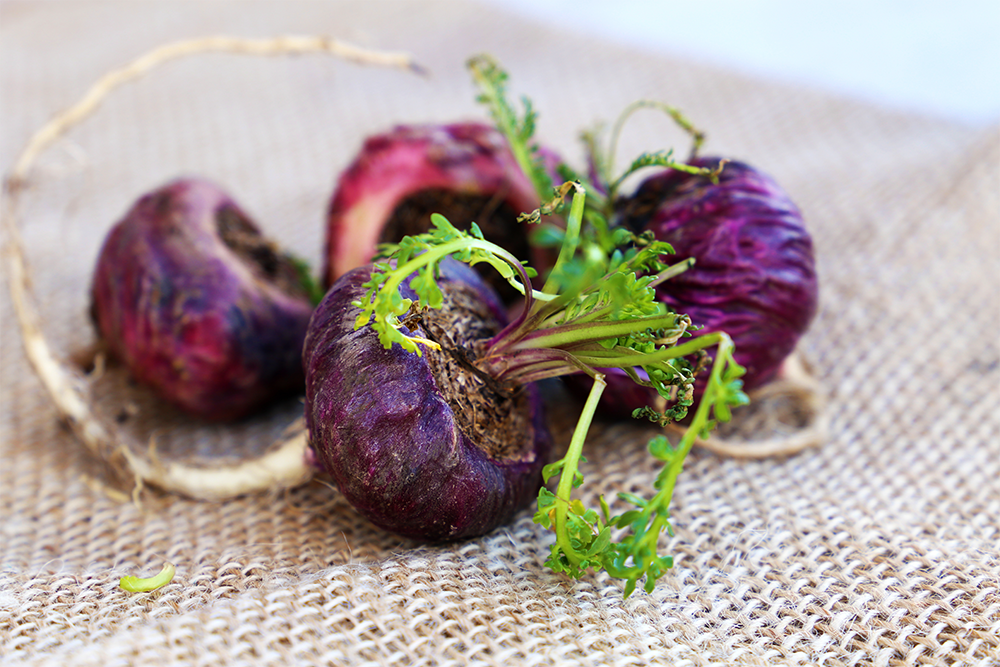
(880,547)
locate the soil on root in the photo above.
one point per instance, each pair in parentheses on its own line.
(495,420)
(268,262)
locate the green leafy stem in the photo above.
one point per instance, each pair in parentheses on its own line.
(584,536)
(602,183)
(597,311)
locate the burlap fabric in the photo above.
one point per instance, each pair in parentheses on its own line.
(880,547)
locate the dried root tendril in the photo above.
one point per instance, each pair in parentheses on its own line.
(283,45)
(284,464)
(796,384)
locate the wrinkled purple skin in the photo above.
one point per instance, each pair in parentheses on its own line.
(754,275)
(188,316)
(381,428)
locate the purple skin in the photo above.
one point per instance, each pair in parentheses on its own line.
(380,426)
(209,331)
(754,275)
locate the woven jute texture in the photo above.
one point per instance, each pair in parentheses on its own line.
(880,546)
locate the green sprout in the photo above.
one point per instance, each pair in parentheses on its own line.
(139,585)
(597,310)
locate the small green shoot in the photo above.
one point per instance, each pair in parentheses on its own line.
(309,283)
(139,585)
(383,304)
(602,183)
(492,82)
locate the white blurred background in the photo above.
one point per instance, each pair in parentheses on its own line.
(936,57)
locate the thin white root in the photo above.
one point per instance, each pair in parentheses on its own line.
(797,384)
(281,467)
(284,465)
(283,45)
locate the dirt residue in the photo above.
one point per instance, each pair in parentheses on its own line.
(495,420)
(269,264)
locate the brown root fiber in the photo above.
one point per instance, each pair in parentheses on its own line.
(494,419)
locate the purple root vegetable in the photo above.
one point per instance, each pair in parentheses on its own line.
(754,275)
(420,444)
(199,305)
(464,171)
